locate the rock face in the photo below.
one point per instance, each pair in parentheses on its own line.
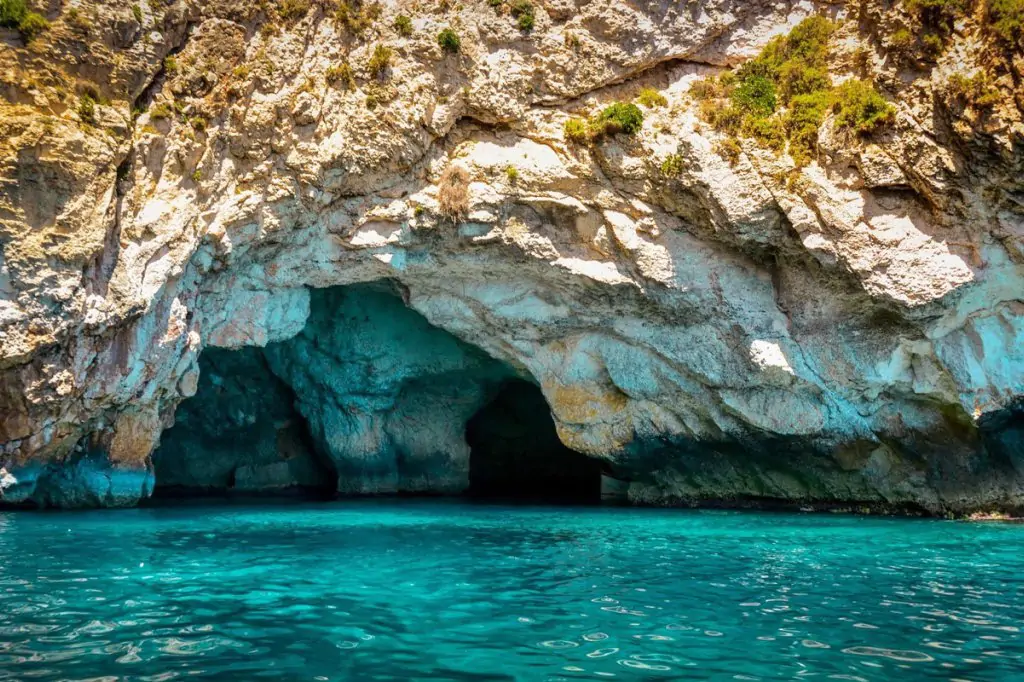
(322,244)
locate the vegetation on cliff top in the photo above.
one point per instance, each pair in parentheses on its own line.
(781,97)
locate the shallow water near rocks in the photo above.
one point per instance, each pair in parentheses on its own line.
(437,590)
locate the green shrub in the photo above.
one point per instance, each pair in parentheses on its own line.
(755,95)
(796,78)
(902,40)
(356,15)
(937,14)
(620,117)
(380,61)
(790,73)
(806,112)
(1006,20)
(170,65)
(576,130)
(859,107)
(403,26)
(15,14)
(726,118)
(977,91)
(137,12)
(522,11)
(651,98)
(673,166)
(512,174)
(449,41)
(12,12)
(769,132)
(292,10)
(932,44)
(32,25)
(342,73)
(87,109)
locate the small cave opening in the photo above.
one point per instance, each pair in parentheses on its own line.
(240,435)
(515,452)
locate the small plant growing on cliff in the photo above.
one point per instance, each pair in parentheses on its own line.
(859,107)
(380,61)
(87,109)
(976,91)
(449,41)
(77,20)
(32,26)
(12,12)
(651,98)
(342,75)
(576,130)
(621,117)
(15,14)
(729,149)
(673,166)
(403,26)
(453,192)
(1006,20)
(522,11)
(512,174)
(170,65)
(161,111)
(292,11)
(356,16)
(137,12)
(755,95)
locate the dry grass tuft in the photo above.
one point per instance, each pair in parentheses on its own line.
(453,192)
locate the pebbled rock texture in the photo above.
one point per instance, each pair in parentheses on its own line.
(847,332)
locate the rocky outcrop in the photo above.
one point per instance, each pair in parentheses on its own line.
(706,325)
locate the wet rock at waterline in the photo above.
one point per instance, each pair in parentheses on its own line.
(304,262)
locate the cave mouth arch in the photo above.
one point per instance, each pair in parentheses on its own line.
(515,452)
(369,398)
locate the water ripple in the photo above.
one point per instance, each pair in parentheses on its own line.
(413,590)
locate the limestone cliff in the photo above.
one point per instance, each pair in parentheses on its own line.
(380,212)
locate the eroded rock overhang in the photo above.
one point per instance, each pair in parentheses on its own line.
(848,331)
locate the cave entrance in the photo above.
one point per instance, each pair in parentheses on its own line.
(515,452)
(240,435)
(369,398)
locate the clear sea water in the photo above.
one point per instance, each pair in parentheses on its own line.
(420,590)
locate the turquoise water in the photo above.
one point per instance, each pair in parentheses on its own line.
(451,591)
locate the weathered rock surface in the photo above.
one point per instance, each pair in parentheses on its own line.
(847,332)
